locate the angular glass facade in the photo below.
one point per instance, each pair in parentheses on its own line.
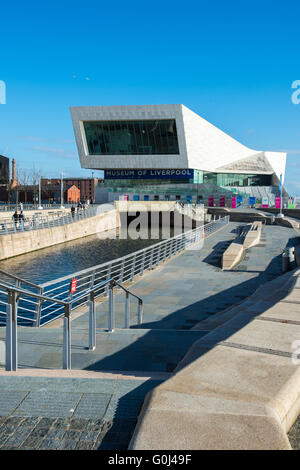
(236,179)
(147,137)
(223,180)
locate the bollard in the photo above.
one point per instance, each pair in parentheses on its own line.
(285,261)
(292,262)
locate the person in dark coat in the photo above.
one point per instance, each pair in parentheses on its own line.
(15,218)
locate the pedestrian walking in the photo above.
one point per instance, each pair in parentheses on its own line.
(21,220)
(15,218)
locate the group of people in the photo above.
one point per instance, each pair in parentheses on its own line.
(18,219)
(79,207)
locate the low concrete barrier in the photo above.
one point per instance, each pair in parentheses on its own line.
(253,236)
(24,242)
(238,387)
(287,222)
(234,253)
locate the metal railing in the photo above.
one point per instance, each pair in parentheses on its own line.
(28,207)
(121,270)
(16,294)
(40,221)
(192,210)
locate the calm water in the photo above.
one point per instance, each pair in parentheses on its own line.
(66,258)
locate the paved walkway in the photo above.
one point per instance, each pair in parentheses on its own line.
(177,296)
(69,413)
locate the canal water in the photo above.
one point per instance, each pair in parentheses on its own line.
(66,258)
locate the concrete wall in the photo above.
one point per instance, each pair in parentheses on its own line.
(295,213)
(24,242)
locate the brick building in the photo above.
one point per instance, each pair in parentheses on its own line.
(86,186)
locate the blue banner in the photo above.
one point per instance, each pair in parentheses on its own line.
(239,200)
(149,174)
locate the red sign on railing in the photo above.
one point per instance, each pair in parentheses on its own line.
(73,286)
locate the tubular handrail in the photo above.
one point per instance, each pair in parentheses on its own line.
(19,290)
(17,278)
(43,297)
(14,293)
(126,290)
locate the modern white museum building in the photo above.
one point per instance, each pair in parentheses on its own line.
(163,152)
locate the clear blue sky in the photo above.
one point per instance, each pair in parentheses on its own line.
(232,62)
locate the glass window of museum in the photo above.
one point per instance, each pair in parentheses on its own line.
(149,137)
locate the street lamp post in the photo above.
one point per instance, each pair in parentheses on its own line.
(280,185)
(62,192)
(40,202)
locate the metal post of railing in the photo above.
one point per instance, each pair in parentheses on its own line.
(8,335)
(143,264)
(11,339)
(14,331)
(151,259)
(178,245)
(172,244)
(127,310)
(158,256)
(111,312)
(132,269)
(67,338)
(165,251)
(140,312)
(92,280)
(92,322)
(121,272)
(107,279)
(38,309)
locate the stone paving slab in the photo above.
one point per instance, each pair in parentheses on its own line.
(69,413)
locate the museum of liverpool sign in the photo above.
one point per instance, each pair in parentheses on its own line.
(149,174)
